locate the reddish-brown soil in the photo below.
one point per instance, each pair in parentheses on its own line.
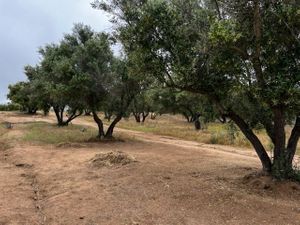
(173,182)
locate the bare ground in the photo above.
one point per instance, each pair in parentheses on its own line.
(173,182)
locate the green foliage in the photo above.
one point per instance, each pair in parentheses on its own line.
(232,131)
(19,93)
(224,31)
(10,107)
(244,56)
(78,73)
(190,105)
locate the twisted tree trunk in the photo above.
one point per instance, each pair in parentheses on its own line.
(110,130)
(99,124)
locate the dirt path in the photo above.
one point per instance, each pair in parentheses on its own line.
(174,182)
(152,138)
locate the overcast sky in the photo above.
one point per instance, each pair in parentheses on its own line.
(28,24)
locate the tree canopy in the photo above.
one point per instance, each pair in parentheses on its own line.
(243,55)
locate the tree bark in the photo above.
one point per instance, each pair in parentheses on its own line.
(99,124)
(293,140)
(257,28)
(137,117)
(144,115)
(32,111)
(73,116)
(110,130)
(218,9)
(197,125)
(186,117)
(58,115)
(61,115)
(279,134)
(259,148)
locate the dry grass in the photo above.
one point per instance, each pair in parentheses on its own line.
(4,143)
(111,159)
(3,130)
(45,133)
(213,133)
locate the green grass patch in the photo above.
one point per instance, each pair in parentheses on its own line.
(45,133)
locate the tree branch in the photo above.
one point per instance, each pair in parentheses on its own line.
(259,148)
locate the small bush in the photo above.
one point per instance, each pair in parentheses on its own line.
(220,138)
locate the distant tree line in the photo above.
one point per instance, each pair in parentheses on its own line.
(10,107)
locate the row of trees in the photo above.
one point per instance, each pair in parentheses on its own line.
(161,100)
(81,75)
(243,56)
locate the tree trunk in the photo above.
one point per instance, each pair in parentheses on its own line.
(87,112)
(72,116)
(282,165)
(99,124)
(186,117)
(218,9)
(144,115)
(32,111)
(259,148)
(61,115)
(58,115)
(293,140)
(279,134)
(197,125)
(110,130)
(137,117)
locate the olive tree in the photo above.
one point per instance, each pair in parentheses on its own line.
(240,54)
(19,93)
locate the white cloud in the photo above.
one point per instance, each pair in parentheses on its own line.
(28,24)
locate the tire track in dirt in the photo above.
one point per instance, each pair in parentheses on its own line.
(38,199)
(19,169)
(175,182)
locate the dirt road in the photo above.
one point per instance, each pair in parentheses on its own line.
(173,182)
